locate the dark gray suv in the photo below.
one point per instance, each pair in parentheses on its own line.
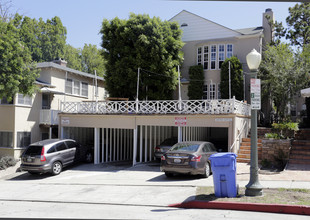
(49,155)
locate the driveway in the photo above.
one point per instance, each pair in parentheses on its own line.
(107,191)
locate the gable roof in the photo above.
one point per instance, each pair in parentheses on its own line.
(67,69)
(196,27)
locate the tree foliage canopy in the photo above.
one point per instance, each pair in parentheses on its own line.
(236,77)
(144,42)
(17,72)
(283,76)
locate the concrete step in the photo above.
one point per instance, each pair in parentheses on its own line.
(299,161)
(249,140)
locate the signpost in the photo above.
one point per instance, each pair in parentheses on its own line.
(255,94)
(180,121)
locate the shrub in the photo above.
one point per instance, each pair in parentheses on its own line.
(6,162)
(285,129)
(272,135)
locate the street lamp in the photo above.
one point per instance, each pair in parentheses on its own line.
(253,188)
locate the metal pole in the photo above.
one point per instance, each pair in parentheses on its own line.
(229,80)
(137,98)
(180,98)
(254,188)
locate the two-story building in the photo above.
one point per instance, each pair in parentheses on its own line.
(28,119)
(209,44)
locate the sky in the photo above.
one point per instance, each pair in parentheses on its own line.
(83,18)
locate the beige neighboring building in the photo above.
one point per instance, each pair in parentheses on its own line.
(29,119)
(209,44)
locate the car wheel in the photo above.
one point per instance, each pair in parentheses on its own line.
(168,174)
(207,170)
(89,157)
(56,168)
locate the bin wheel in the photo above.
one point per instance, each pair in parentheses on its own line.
(207,170)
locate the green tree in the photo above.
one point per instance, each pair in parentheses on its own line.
(73,57)
(45,40)
(92,60)
(236,77)
(283,76)
(299,24)
(17,70)
(149,43)
(196,81)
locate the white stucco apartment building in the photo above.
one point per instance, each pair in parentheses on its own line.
(29,119)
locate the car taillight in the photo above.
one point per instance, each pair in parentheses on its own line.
(43,158)
(163,158)
(196,158)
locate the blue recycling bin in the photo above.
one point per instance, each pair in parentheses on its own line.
(224,170)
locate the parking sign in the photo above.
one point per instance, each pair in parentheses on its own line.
(255,94)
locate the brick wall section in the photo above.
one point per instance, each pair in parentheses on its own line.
(261,131)
(271,148)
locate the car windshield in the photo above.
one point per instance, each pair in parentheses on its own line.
(185,147)
(33,150)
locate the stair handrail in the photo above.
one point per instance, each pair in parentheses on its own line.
(237,138)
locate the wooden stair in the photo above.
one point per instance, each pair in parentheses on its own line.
(244,154)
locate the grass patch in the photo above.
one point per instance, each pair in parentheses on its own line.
(270,196)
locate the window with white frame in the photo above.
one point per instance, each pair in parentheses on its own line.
(76,87)
(24,99)
(221,54)
(205,92)
(229,50)
(6,139)
(84,89)
(213,57)
(212,91)
(68,88)
(218,91)
(206,57)
(23,139)
(199,56)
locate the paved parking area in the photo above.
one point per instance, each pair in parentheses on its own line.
(115,191)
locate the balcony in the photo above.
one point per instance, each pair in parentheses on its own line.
(224,106)
(49,117)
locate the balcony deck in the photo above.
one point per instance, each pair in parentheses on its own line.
(223,106)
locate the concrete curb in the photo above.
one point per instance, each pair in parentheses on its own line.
(10,170)
(240,206)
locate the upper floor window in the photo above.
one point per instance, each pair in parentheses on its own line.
(206,57)
(76,87)
(24,99)
(213,57)
(221,54)
(229,52)
(199,53)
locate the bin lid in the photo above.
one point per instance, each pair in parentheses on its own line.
(223,155)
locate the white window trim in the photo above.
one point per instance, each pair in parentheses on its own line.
(201,55)
(218,57)
(213,91)
(216,52)
(80,88)
(232,50)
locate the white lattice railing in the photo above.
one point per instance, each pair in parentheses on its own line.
(224,106)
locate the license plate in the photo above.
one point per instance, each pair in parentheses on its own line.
(29,160)
(177,160)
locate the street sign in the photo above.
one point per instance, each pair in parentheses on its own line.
(180,121)
(255,94)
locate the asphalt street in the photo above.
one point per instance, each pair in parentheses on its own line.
(116,191)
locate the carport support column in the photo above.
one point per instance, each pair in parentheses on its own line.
(135,145)
(96,147)
(179,134)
